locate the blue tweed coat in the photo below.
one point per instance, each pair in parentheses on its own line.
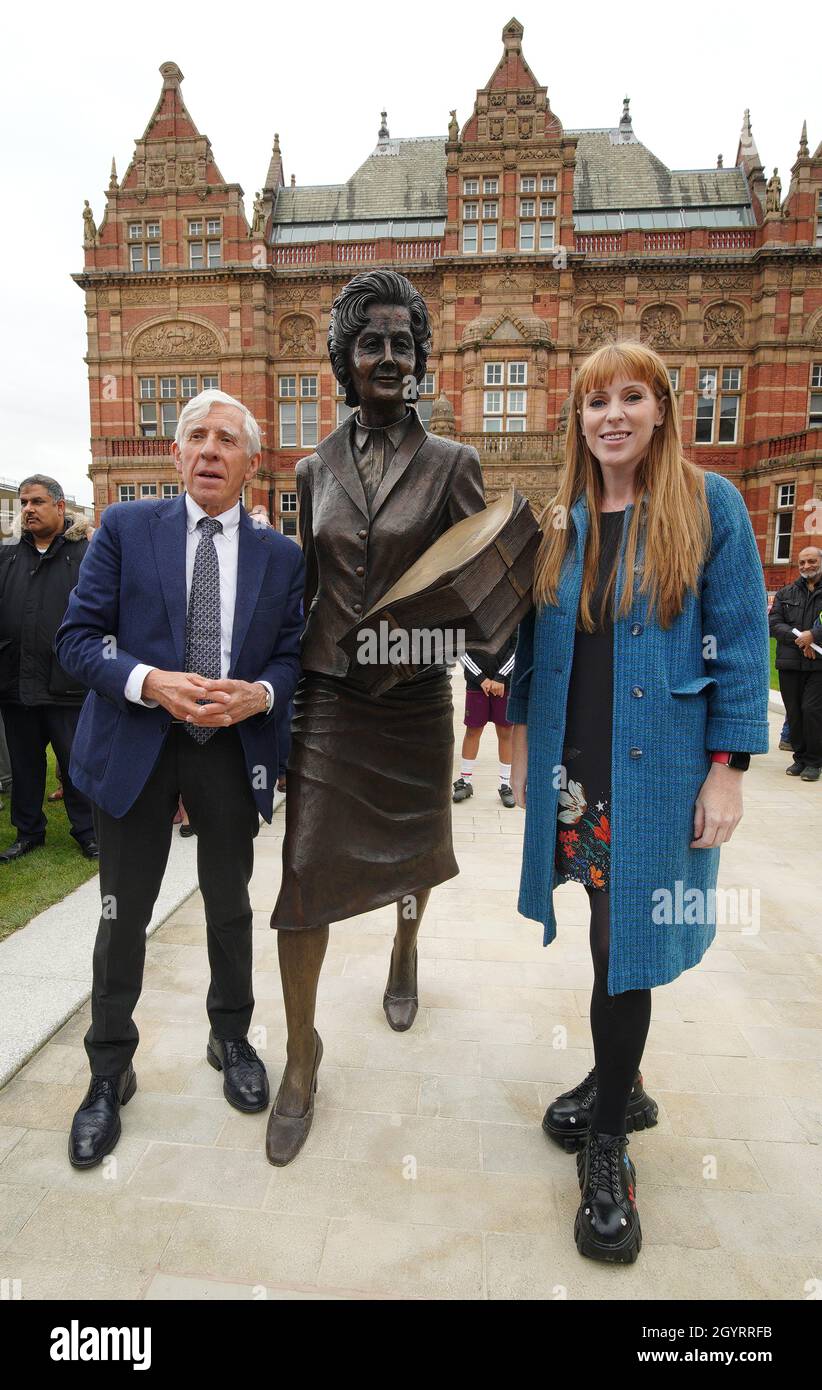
(672,707)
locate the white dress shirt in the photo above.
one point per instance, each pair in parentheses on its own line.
(227,545)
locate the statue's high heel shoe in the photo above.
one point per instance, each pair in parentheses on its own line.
(286,1134)
(400,1012)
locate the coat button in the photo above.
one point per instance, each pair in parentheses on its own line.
(359,570)
(636,629)
(637,692)
(363,535)
(635,752)
(358,608)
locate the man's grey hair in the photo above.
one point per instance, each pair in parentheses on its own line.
(196,410)
(51,485)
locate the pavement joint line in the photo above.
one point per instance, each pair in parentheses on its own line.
(20,1041)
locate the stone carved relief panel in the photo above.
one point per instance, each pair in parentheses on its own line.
(298,336)
(597,325)
(724,324)
(661,326)
(176,340)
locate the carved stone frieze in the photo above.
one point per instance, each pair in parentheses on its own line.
(149,294)
(726,280)
(666,283)
(176,340)
(298,336)
(469,283)
(597,325)
(599,284)
(204,294)
(724,323)
(661,326)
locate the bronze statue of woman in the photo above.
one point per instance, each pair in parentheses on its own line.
(368,814)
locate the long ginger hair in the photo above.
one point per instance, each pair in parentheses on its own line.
(670,509)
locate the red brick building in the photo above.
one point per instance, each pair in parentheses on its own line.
(531,243)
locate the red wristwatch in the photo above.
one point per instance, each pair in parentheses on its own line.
(740,761)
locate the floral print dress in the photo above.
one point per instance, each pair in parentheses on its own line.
(583,843)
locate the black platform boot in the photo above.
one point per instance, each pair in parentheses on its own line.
(568,1117)
(607,1223)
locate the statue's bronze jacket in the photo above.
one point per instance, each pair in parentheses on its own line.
(353,559)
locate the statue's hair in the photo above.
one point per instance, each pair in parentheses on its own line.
(349,314)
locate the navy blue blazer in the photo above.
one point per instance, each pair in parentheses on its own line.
(129,606)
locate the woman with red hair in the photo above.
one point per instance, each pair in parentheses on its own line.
(638,695)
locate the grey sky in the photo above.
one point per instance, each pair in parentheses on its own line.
(80,83)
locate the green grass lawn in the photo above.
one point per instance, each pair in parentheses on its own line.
(774,676)
(46,875)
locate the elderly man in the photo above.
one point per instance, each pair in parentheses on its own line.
(185,625)
(39,700)
(795,610)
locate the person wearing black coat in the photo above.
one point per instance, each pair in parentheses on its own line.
(795,614)
(39,701)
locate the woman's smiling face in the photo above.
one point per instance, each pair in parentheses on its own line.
(618,421)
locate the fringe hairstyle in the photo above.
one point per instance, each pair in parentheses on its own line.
(670,507)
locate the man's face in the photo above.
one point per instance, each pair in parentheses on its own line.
(41,515)
(212,459)
(810,564)
(382,355)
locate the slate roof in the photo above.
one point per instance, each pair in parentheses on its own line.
(400,178)
(620,176)
(406,178)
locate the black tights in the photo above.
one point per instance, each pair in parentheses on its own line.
(619,1026)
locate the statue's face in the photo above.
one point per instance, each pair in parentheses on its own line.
(382,356)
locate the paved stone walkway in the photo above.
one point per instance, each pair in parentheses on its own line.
(427,1174)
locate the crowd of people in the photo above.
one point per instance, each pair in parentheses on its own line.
(170,661)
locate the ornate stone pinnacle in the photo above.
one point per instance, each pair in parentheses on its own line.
(803,142)
(384,135)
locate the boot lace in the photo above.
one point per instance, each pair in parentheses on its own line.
(590,1081)
(604,1167)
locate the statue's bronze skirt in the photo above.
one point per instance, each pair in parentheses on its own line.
(368,806)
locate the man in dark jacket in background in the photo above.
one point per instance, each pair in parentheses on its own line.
(794,612)
(40,702)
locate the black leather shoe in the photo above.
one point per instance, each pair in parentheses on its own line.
(785,746)
(95,1128)
(607,1223)
(18,849)
(462,790)
(245,1080)
(795,769)
(90,849)
(506,796)
(809,774)
(568,1118)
